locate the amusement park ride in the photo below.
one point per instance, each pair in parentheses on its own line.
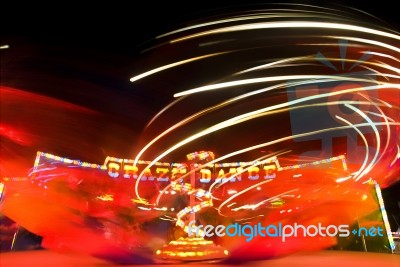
(75,205)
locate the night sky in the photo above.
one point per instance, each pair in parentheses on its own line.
(71,64)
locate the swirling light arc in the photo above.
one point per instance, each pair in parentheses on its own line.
(379,85)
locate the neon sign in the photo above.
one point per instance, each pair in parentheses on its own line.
(117,168)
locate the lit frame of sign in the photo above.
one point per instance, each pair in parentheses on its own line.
(384,216)
(125,168)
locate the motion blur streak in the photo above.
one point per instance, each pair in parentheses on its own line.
(291,24)
(150,72)
(262,80)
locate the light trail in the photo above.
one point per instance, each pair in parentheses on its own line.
(291,25)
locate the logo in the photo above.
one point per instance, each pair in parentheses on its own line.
(280,231)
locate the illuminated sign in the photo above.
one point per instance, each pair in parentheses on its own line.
(162,172)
